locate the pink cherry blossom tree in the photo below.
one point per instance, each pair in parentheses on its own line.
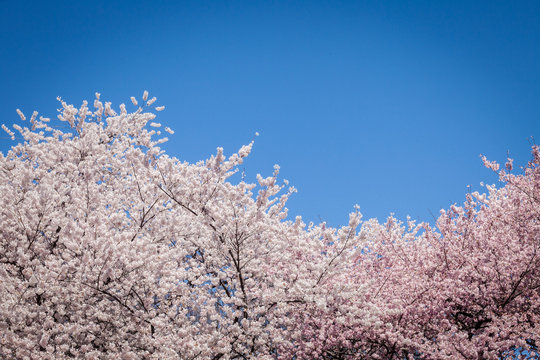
(467,289)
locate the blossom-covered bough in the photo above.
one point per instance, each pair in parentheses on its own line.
(112,249)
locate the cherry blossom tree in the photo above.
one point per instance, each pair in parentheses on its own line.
(468,288)
(110,248)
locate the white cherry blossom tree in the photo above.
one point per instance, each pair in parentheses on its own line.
(110,248)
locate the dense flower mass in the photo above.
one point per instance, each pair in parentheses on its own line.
(111,249)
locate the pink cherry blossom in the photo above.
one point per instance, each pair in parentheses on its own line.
(112,249)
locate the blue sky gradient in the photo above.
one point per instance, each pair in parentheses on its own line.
(383,104)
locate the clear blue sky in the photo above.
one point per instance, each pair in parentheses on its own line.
(383,104)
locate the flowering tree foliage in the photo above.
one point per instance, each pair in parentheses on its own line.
(467,289)
(110,248)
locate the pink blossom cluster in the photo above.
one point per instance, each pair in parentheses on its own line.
(112,249)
